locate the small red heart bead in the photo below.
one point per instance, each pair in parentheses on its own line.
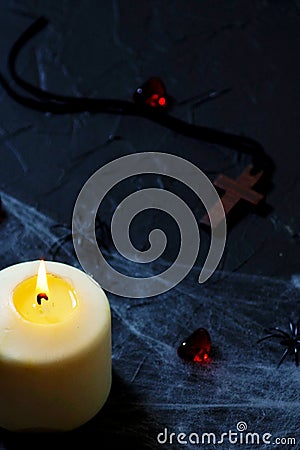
(196,347)
(152,93)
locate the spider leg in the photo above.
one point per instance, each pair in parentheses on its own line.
(297,328)
(296,356)
(292,327)
(284,355)
(269,336)
(278,330)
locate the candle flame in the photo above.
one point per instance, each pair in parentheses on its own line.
(42,283)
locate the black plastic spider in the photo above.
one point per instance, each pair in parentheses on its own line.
(290,340)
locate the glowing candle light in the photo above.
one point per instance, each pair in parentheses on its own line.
(55,347)
(42,289)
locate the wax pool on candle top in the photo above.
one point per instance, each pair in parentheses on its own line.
(60,303)
(55,354)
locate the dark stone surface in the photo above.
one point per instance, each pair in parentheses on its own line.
(105,50)
(153,389)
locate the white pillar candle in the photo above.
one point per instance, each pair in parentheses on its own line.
(55,347)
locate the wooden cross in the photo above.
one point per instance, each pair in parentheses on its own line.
(235,191)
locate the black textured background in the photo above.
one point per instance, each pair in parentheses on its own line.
(106,49)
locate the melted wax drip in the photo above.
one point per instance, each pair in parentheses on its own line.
(196,347)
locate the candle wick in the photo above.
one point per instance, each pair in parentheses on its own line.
(41,296)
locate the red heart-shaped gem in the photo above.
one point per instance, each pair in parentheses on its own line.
(196,347)
(151,93)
